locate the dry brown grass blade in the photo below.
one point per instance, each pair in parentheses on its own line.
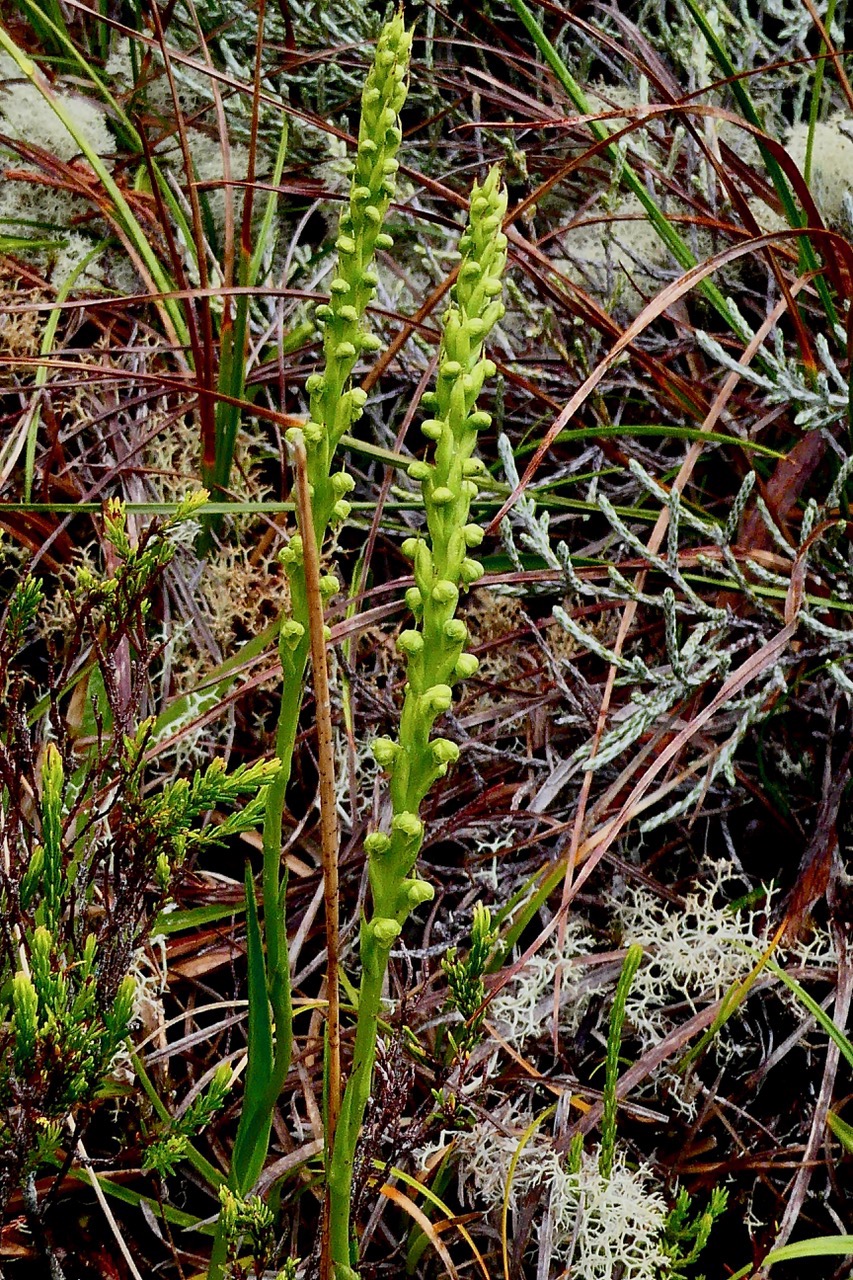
(398,1197)
(656,308)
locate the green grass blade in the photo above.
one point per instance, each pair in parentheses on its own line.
(267,227)
(159,1208)
(820,1015)
(794,218)
(817,1247)
(842,1130)
(123,214)
(817,87)
(607,1151)
(56,32)
(250,1146)
(661,224)
(202,1166)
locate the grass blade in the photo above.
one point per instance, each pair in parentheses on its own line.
(250,1146)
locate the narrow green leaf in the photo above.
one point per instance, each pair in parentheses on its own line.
(167,923)
(793,216)
(253,1132)
(814,1008)
(817,1247)
(664,228)
(842,1130)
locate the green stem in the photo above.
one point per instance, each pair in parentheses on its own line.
(607,1151)
(374,958)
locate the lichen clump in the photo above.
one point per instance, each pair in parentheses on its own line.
(601,1227)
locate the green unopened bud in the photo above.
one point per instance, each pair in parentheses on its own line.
(340,288)
(471,570)
(291,555)
(385,752)
(444,752)
(341,510)
(466,666)
(314,382)
(344,351)
(414,600)
(342,484)
(473,467)
(473,535)
(455,631)
(478,420)
(376,844)
(438,699)
(445,592)
(442,496)
(416,892)
(409,547)
(419,471)
(385,932)
(345,244)
(408,825)
(450,369)
(384,241)
(291,634)
(432,428)
(369,342)
(329,586)
(358,397)
(349,314)
(410,642)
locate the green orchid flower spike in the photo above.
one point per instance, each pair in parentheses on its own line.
(434,650)
(335,405)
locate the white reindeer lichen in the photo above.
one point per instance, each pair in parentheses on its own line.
(523,1009)
(601,1226)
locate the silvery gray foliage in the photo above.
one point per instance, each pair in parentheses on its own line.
(783,381)
(713,637)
